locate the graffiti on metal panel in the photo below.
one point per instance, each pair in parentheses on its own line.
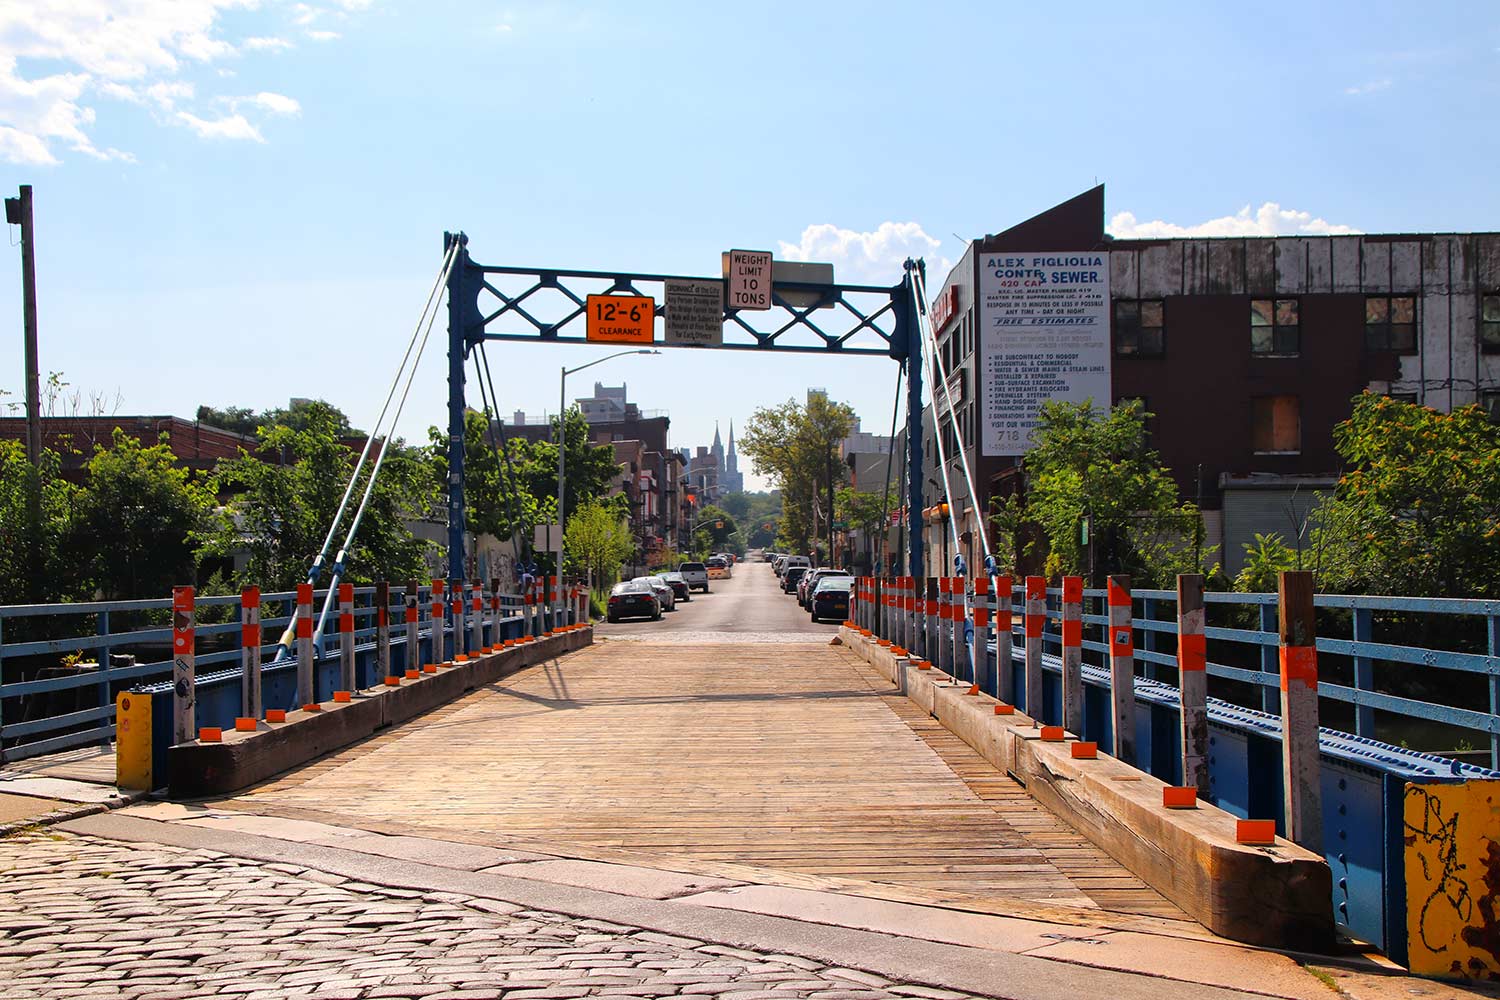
(1453,879)
(1449,887)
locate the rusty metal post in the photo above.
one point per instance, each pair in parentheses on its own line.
(1192,681)
(382,633)
(346,637)
(1005,620)
(306,683)
(184,666)
(1300,766)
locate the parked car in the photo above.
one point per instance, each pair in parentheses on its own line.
(768,556)
(680,589)
(718,569)
(810,581)
(830,598)
(632,599)
(696,574)
(791,561)
(793,575)
(663,590)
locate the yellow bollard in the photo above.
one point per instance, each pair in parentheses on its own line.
(133,741)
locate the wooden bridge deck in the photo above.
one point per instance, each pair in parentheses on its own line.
(781,763)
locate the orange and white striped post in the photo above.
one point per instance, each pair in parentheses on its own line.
(982,675)
(250,637)
(497,612)
(306,687)
(439,652)
(956,627)
(184,666)
(346,637)
(1192,681)
(456,609)
(382,633)
(1300,766)
(413,623)
(930,628)
(1072,654)
(476,619)
(1121,667)
(944,659)
(1036,622)
(908,611)
(1005,617)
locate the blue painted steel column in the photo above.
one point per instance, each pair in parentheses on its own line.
(457,349)
(915,565)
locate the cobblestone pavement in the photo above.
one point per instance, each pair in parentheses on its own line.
(81,917)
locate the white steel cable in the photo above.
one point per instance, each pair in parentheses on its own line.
(984,542)
(359,513)
(937,437)
(316,569)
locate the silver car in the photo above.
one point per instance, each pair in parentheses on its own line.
(664,592)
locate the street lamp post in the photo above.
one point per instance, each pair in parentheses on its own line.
(562,447)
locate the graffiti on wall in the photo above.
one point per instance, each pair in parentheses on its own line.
(1453,879)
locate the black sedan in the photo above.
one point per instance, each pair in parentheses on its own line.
(679,585)
(633,599)
(830,601)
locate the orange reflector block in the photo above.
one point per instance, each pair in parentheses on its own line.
(432,668)
(1084,751)
(312,706)
(1004,709)
(1053,734)
(210,734)
(275,715)
(924,665)
(1177,797)
(393,682)
(973,688)
(461,658)
(244,725)
(412,675)
(341,696)
(885,643)
(1260,832)
(899,651)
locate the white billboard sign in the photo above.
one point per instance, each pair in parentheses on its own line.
(695,312)
(1044,335)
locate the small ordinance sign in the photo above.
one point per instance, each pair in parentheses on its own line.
(750,279)
(695,312)
(621,319)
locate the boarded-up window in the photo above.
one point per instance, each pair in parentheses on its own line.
(1277,424)
(1274,327)
(1391,323)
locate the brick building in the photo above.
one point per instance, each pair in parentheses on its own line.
(1248,351)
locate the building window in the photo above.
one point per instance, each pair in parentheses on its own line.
(1277,425)
(1274,330)
(1490,400)
(1139,329)
(1391,323)
(1489,323)
(1404,397)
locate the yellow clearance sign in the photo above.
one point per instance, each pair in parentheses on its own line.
(621,319)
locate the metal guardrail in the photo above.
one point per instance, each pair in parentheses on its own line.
(95,724)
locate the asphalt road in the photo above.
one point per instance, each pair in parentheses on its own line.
(749,602)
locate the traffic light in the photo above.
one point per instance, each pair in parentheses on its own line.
(718,524)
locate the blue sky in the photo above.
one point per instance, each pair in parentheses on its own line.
(239,203)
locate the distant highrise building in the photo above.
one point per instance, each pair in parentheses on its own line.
(730,478)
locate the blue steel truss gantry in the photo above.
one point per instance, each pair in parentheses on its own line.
(547,305)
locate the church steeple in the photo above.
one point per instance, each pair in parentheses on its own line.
(733,461)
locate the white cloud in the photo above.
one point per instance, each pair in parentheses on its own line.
(323,36)
(1268,220)
(228,127)
(264,44)
(136,51)
(872,257)
(1370,87)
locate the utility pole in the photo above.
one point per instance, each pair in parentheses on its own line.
(18,213)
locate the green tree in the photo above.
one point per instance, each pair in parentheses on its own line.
(301,415)
(31,568)
(795,445)
(1100,466)
(279,513)
(136,521)
(715,530)
(1418,510)
(1265,560)
(596,544)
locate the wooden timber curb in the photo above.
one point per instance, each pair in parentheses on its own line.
(1273,896)
(200,770)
